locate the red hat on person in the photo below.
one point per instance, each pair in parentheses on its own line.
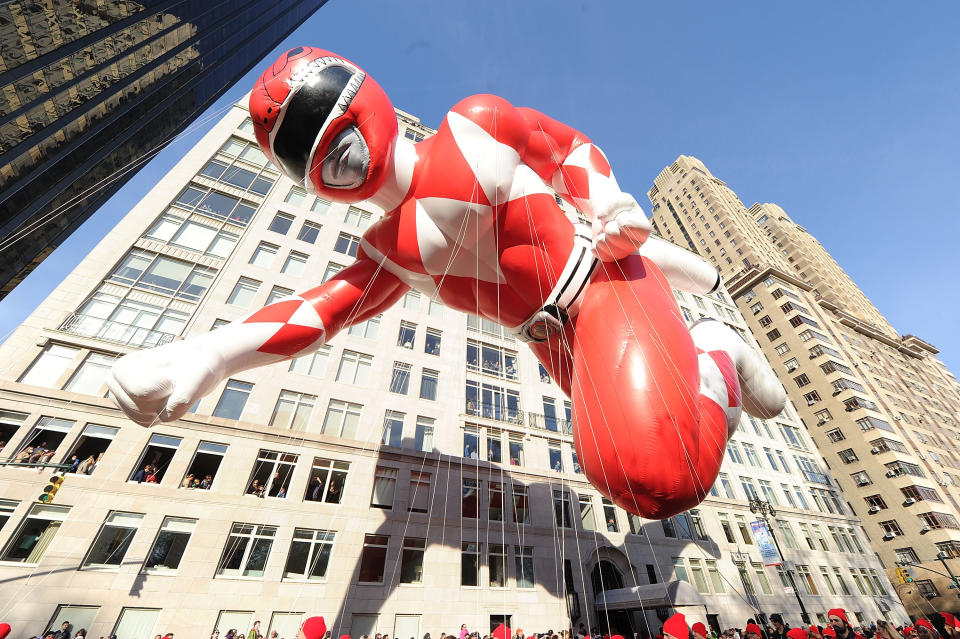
(907,630)
(797,633)
(753,629)
(4,630)
(813,630)
(617,637)
(838,612)
(502,632)
(926,624)
(950,620)
(829,632)
(699,629)
(344,636)
(676,626)
(314,628)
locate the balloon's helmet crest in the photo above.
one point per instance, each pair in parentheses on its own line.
(325,122)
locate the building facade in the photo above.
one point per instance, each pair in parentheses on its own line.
(880,406)
(92,90)
(421,457)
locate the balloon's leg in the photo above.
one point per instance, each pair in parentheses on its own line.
(645,434)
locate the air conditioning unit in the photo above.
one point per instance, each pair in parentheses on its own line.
(875,451)
(891,473)
(821,422)
(909,501)
(810,402)
(836,392)
(925,530)
(889,535)
(874,510)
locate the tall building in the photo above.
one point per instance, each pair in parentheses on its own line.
(416,473)
(880,406)
(91,90)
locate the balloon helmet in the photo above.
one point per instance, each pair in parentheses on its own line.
(325,122)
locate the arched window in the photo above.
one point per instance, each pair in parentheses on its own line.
(605,576)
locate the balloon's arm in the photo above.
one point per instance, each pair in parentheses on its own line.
(300,324)
(160,384)
(580,173)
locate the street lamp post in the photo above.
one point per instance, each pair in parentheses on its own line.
(764,508)
(942,556)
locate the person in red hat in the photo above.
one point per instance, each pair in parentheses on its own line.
(814,632)
(752,631)
(312,628)
(699,631)
(925,629)
(830,633)
(909,632)
(4,630)
(949,624)
(676,627)
(797,633)
(838,621)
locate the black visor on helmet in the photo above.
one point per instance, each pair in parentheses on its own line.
(305,114)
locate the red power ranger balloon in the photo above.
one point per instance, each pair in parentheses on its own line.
(311,100)
(472,220)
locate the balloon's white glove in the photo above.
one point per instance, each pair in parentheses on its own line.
(160,384)
(620,230)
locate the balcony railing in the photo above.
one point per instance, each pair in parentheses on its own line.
(552,424)
(815,477)
(110,331)
(499,412)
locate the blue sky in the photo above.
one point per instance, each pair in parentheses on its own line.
(844,114)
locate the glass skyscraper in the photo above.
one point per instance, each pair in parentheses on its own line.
(90,90)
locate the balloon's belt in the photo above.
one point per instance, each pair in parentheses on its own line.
(563,302)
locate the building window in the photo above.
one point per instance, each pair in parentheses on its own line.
(49,366)
(212,203)
(243,292)
(587,517)
(332,269)
(393,428)
(342,419)
(373,558)
(431,345)
(411,560)
(293,410)
(7,506)
(358,217)
(85,454)
(521,508)
(471,442)
(347,244)
(876,501)
(400,378)
(264,254)
(278,293)
(469,502)
(847,456)
(891,528)
(309,232)
(801,380)
(419,492)
(354,368)
(234,398)
(309,555)
(314,364)
(295,264)
(155,459)
(423,437)
(555,456)
(561,509)
(90,376)
(327,480)
(491,360)
(523,558)
(366,329)
(927,589)
(407,335)
(160,274)
(205,464)
(169,546)
(497,565)
(470,564)
(247,551)
(384,487)
(280,223)
(493,402)
(772,335)
(610,515)
(782,349)
(36,533)
(429,381)
(271,474)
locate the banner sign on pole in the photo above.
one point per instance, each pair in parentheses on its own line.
(768,550)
